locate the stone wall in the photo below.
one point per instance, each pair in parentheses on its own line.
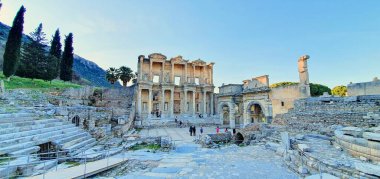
(283,98)
(318,114)
(366,88)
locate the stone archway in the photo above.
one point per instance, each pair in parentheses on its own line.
(75,120)
(255,112)
(226,114)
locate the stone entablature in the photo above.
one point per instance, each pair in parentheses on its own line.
(365,88)
(175,87)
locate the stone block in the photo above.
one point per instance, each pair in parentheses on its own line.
(302,170)
(322,175)
(285,140)
(353,131)
(368,168)
(304,147)
(371,136)
(300,137)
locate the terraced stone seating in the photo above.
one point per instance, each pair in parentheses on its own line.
(22,133)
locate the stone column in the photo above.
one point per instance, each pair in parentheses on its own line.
(185,101)
(172,103)
(172,73)
(212,104)
(162,73)
(204,103)
(193,73)
(150,103)
(185,73)
(141,61)
(139,102)
(194,103)
(150,70)
(162,102)
(303,71)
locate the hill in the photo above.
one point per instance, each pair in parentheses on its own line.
(85,69)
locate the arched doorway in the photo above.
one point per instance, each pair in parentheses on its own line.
(256,113)
(75,120)
(226,114)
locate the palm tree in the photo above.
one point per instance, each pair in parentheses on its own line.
(125,74)
(112,75)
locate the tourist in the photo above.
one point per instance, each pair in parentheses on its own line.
(180,123)
(191,130)
(194,131)
(234,131)
(175,119)
(201,130)
(226,130)
(217,129)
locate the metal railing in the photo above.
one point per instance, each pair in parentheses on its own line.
(82,159)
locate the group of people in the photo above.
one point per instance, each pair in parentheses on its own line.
(193,130)
(157,113)
(226,130)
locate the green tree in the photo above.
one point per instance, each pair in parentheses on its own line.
(112,75)
(67,61)
(13,45)
(285,83)
(318,89)
(34,60)
(55,51)
(339,90)
(125,75)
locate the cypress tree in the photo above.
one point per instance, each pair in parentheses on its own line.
(67,59)
(13,45)
(55,51)
(34,61)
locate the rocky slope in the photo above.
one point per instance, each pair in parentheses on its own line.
(83,68)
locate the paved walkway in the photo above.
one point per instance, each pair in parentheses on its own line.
(90,168)
(189,160)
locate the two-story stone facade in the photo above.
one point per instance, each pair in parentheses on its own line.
(175,87)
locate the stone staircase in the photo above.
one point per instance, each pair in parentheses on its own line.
(21,133)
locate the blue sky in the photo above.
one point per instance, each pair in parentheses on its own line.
(244,38)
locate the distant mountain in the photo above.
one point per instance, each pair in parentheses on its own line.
(85,69)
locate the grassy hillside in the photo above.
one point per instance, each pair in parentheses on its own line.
(26,83)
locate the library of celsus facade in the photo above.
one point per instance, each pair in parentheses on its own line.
(175,87)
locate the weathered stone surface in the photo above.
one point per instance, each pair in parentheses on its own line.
(371,136)
(304,147)
(285,140)
(322,175)
(353,131)
(368,168)
(302,170)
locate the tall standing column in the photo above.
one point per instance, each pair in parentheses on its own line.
(193,112)
(162,101)
(212,104)
(172,103)
(185,101)
(204,103)
(139,73)
(139,102)
(150,78)
(162,73)
(150,103)
(172,73)
(193,73)
(185,81)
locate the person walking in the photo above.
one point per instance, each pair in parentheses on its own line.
(201,130)
(234,131)
(180,124)
(217,129)
(191,130)
(194,131)
(226,130)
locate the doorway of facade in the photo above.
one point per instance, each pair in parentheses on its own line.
(226,115)
(256,113)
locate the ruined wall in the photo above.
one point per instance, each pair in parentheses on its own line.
(366,88)
(283,98)
(318,114)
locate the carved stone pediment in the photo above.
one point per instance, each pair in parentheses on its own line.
(199,62)
(157,56)
(178,59)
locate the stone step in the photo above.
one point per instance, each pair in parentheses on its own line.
(80,145)
(25,123)
(73,136)
(16,115)
(32,132)
(43,124)
(82,149)
(18,119)
(74,141)
(25,151)
(35,137)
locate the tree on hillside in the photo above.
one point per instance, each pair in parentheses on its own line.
(125,75)
(33,62)
(285,83)
(13,45)
(55,51)
(318,89)
(67,59)
(112,75)
(339,90)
